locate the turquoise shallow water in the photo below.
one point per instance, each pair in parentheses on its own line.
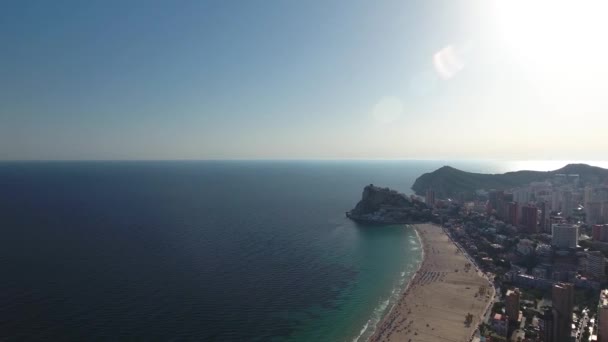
(384,260)
(214,251)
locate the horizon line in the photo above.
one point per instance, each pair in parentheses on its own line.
(570,161)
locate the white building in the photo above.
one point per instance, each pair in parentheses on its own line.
(556,200)
(587,195)
(541,190)
(597,212)
(564,235)
(596,204)
(567,205)
(521,195)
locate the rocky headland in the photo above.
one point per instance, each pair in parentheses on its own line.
(385,206)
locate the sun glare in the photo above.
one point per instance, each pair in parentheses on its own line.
(561,47)
(565,37)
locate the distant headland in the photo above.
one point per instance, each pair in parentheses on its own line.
(448,182)
(385,206)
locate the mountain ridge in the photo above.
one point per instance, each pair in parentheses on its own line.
(449,182)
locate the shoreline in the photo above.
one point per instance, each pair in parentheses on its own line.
(436,300)
(407,287)
(401,289)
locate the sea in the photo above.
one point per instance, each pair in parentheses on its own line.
(203,250)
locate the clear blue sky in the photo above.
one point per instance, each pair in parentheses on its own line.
(295,79)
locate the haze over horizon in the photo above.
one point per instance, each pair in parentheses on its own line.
(466,79)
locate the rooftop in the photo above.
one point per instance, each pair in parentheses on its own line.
(509,292)
(604,299)
(499,317)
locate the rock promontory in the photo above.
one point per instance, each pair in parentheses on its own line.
(385,206)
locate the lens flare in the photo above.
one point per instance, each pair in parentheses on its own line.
(448,62)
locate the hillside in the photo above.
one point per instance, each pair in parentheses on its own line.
(449,182)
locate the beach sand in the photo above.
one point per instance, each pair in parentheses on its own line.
(444,290)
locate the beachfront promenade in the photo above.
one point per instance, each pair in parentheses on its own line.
(446,288)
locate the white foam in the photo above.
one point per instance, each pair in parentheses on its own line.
(362,331)
(381,309)
(406,278)
(376,315)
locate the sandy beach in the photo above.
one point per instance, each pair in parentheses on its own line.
(444,290)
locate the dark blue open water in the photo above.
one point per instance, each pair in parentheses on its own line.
(216,251)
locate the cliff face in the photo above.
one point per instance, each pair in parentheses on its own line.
(374,198)
(449,182)
(383,205)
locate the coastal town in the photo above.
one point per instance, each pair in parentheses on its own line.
(544,247)
(528,262)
